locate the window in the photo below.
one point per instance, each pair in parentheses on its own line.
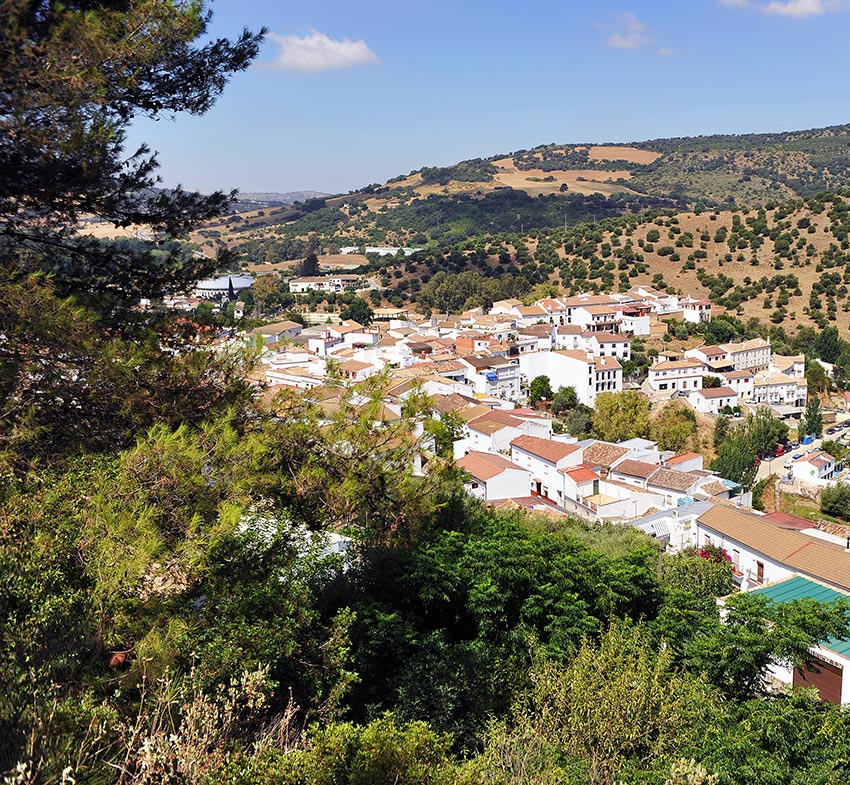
(760,571)
(736,558)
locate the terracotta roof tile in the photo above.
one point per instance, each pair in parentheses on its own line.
(581,474)
(637,468)
(603,454)
(681,458)
(673,480)
(548,449)
(818,559)
(485,465)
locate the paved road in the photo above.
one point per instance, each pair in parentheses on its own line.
(777,465)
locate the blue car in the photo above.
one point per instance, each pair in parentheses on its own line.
(797,455)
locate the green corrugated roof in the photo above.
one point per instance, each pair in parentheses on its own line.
(799,588)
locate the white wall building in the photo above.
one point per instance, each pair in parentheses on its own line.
(493,476)
(543,458)
(711,400)
(695,310)
(776,389)
(673,375)
(741,382)
(749,355)
(323,283)
(588,374)
(815,468)
(493,376)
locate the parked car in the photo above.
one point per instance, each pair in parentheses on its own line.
(808,438)
(797,455)
(778,450)
(794,446)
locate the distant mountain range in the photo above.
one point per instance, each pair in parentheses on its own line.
(276,198)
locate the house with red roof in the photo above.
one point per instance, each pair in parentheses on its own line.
(544,458)
(492,476)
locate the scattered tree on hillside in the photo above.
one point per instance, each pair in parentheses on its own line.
(620,416)
(564,400)
(309,266)
(765,431)
(736,458)
(828,345)
(835,500)
(79,369)
(816,379)
(358,310)
(675,426)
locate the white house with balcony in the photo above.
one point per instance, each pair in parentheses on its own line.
(695,310)
(752,355)
(596,318)
(497,377)
(777,389)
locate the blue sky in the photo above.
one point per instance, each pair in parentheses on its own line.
(348,93)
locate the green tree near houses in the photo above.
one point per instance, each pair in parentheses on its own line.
(620,416)
(812,419)
(539,389)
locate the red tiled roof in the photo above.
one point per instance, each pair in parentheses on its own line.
(717,392)
(636,468)
(548,449)
(785,521)
(603,454)
(685,456)
(581,474)
(485,465)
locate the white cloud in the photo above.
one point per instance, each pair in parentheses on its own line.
(796,9)
(665,52)
(317,52)
(632,36)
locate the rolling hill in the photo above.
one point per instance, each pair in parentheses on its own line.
(742,219)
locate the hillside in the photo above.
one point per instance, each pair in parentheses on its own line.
(550,185)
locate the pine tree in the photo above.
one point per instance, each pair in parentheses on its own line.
(79,369)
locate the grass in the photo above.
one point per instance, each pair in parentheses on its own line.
(805,508)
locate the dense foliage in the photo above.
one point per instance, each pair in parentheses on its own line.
(197,587)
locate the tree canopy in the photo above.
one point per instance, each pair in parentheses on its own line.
(620,416)
(78,367)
